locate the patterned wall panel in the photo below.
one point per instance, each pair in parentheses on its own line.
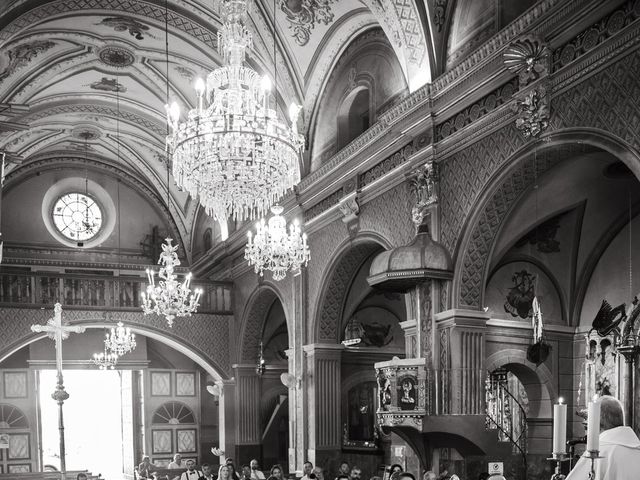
(207,335)
(254,321)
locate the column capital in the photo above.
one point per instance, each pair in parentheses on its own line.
(323,349)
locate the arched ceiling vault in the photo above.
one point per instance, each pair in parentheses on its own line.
(94,71)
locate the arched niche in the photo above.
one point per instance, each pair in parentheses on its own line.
(354,115)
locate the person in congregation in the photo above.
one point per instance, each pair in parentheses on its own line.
(246,472)
(176,463)
(233,475)
(307,468)
(276,472)
(319,472)
(344,469)
(619,447)
(256,474)
(191,473)
(355,473)
(146,468)
(430,475)
(207,474)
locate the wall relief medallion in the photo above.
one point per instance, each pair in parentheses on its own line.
(116,56)
(304,14)
(528,57)
(123,24)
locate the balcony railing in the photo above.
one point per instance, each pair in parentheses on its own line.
(96,292)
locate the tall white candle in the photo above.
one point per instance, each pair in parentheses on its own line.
(560,427)
(593,426)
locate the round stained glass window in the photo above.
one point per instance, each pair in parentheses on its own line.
(77,216)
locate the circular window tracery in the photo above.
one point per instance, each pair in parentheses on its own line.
(12,417)
(173,413)
(77,216)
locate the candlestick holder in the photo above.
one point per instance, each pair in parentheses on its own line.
(558,458)
(593,455)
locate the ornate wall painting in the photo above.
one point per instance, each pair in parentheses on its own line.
(602,370)
(543,237)
(512,287)
(20,56)
(123,24)
(407,393)
(108,85)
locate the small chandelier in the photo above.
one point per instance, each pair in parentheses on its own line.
(232,150)
(120,340)
(276,250)
(105,360)
(169,298)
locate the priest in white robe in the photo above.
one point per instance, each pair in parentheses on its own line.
(619,447)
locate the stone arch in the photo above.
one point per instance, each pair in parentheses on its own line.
(253,320)
(537,381)
(205,342)
(475,246)
(339,274)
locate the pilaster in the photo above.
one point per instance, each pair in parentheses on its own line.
(323,381)
(226,416)
(248,434)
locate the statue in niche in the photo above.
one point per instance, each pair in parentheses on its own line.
(407,394)
(361,426)
(384,391)
(601,365)
(520,297)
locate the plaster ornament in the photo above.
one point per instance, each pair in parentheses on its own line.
(532,113)
(424,189)
(439,14)
(304,14)
(108,85)
(123,24)
(21,55)
(350,210)
(527,57)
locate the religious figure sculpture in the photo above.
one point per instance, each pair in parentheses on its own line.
(424,189)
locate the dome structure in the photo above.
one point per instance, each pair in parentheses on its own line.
(401,268)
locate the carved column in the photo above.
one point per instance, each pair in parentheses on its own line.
(248,434)
(226,416)
(323,383)
(462,332)
(298,408)
(420,313)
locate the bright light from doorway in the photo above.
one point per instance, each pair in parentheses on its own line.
(92,418)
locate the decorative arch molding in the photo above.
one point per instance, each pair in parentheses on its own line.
(202,338)
(339,274)
(253,320)
(178,228)
(537,380)
(502,192)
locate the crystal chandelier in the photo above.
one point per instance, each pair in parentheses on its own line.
(232,150)
(275,249)
(169,297)
(120,340)
(105,360)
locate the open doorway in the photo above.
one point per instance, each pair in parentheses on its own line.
(93,421)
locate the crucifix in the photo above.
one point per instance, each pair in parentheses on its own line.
(57,330)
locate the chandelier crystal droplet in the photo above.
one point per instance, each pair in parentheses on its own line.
(169,297)
(275,249)
(121,340)
(232,150)
(105,360)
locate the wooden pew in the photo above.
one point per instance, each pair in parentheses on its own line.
(161,473)
(70,475)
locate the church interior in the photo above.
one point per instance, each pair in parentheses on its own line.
(377,239)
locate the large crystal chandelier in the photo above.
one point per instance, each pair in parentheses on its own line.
(232,150)
(169,297)
(275,249)
(121,340)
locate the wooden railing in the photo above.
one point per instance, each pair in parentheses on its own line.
(96,291)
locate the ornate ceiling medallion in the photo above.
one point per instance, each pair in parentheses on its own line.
(86,133)
(116,56)
(304,14)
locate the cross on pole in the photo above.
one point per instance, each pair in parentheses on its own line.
(57,330)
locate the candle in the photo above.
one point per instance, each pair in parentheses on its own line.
(593,426)
(560,427)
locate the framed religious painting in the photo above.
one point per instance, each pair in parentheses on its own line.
(160,384)
(185,384)
(162,441)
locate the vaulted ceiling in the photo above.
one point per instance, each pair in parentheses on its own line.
(81,74)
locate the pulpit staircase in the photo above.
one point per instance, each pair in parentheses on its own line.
(506,415)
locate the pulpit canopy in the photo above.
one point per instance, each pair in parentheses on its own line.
(402,268)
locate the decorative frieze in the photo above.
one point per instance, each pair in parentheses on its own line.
(486,104)
(324,205)
(597,33)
